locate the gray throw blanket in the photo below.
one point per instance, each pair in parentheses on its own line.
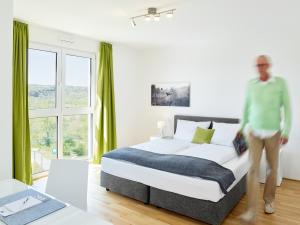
(178,164)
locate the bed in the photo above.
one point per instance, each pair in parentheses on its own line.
(194,197)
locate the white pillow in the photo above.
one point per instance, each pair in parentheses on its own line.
(186,129)
(224,133)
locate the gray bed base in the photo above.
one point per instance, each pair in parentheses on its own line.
(206,211)
(128,188)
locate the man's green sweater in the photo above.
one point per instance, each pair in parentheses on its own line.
(264,104)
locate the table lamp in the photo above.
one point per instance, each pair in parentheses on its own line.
(161,125)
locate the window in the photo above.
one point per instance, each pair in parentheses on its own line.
(75,136)
(60,104)
(77,89)
(42,79)
(43,142)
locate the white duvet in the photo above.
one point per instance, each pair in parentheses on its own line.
(163,146)
(217,153)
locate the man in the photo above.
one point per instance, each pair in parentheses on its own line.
(266,97)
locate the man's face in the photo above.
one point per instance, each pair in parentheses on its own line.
(262,65)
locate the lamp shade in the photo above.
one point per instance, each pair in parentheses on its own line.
(161,124)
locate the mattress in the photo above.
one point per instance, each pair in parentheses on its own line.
(188,186)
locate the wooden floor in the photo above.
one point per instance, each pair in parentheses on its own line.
(124,211)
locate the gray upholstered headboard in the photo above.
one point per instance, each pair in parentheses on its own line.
(202,118)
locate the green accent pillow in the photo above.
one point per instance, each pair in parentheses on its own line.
(203,135)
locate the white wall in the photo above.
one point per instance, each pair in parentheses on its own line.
(129,114)
(6,20)
(218,72)
(57,38)
(125,74)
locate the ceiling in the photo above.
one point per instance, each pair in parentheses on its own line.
(195,21)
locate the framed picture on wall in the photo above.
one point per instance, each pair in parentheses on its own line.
(171,94)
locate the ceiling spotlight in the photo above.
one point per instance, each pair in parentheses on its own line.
(133,24)
(147,18)
(169,14)
(153,14)
(157,17)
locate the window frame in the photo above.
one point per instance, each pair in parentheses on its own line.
(33,113)
(60,111)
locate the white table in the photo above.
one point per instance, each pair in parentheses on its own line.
(67,216)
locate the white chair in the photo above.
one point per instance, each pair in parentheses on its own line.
(68,180)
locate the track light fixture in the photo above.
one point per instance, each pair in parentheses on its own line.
(147,18)
(133,24)
(156,17)
(153,15)
(170,14)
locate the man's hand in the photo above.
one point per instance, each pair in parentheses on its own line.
(239,134)
(283,140)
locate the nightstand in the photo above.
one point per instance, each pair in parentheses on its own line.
(152,138)
(264,168)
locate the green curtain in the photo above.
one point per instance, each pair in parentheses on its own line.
(21,132)
(104,117)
